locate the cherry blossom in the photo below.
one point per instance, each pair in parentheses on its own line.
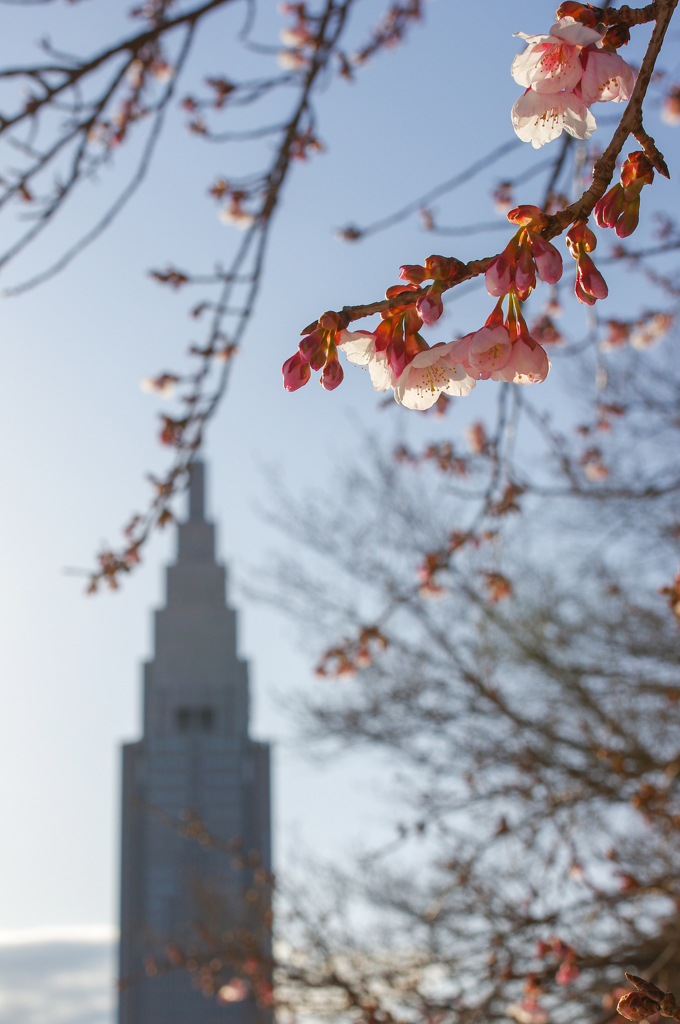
(606,77)
(359,347)
(490,349)
(528,363)
(551,63)
(539,117)
(428,375)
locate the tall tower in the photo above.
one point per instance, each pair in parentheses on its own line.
(196,763)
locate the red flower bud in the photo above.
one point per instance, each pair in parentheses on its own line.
(529,216)
(443,268)
(608,210)
(295,373)
(579,12)
(413,273)
(628,221)
(637,168)
(579,234)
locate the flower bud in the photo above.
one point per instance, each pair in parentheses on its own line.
(636,1006)
(548,260)
(331,321)
(579,12)
(608,210)
(499,275)
(310,346)
(615,36)
(579,234)
(628,221)
(430,307)
(332,375)
(590,278)
(295,372)
(413,273)
(525,274)
(397,356)
(637,169)
(443,268)
(529,217)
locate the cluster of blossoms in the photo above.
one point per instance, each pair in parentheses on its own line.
(353,655)
(398,357)
(565,72)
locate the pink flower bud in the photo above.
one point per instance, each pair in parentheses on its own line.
(310,346)
(525,273)
(430,307)
(295,373)
(548,261)
(585,297)
(332,375)
(397,356)
(499,276)
(590,278)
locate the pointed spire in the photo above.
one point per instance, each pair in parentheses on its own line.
(197,493)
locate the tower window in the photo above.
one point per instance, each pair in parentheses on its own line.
(195,720)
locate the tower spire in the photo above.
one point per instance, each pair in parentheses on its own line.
(197,492)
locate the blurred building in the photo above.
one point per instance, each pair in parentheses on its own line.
(195,898)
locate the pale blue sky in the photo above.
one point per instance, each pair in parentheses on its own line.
(80,434)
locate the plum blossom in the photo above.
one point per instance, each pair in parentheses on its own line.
(606,77)
(541,117)
(428,375)
(551,63)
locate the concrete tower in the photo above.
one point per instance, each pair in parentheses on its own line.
(195,762)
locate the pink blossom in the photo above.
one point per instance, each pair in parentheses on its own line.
(428,375)
(551,63)
(539,118)
(528,363)
(606,77)
(489,350)
(548,260)
(359,347)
